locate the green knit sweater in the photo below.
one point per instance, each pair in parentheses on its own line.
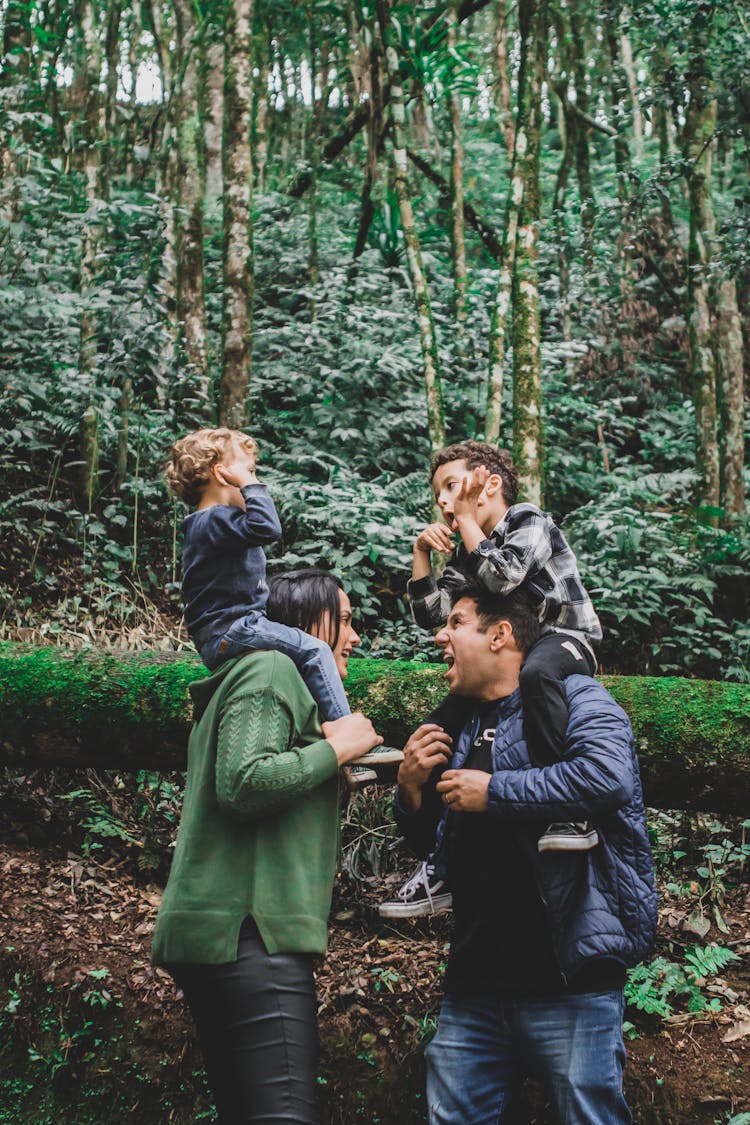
(260,829)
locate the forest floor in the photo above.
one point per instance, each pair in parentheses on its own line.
(81,1006)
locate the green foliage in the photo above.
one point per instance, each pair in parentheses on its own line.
(654,988)
(337,402)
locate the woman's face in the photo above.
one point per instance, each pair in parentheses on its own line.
(348,635)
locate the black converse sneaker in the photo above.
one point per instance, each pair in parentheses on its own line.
(420,895)
(570,836)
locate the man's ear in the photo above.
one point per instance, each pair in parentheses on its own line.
(500,633)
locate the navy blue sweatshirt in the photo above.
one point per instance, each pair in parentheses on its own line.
(224,566)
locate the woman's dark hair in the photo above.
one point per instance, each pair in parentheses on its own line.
(303,598)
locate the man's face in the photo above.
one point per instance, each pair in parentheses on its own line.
(472,662)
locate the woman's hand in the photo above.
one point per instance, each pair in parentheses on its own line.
(351,736)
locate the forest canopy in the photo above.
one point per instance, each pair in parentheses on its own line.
(359,230)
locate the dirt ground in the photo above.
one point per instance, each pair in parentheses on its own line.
(75,937)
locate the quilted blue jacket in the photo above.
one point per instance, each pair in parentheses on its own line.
(602,902)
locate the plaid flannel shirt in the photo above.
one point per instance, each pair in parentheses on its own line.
(526,549)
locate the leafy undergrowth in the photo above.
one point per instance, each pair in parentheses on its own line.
(89,1032)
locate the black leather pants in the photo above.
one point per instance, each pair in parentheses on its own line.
(257,1026)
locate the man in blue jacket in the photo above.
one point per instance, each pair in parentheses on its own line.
(541,941)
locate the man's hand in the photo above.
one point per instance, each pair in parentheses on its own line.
(428,747)
(465,790)
(468,500)
(435,537)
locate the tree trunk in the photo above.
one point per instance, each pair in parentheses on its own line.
(626,56)
(167,191)
(214,87)
(526,328)
(111,54)
(583,164)
(568,127)
(375,141)
(84,98)
(427,336)
(501,304)
(262,115)
(312,198)
(503,102)
(13,75)
(112,710)
(457,203)
(238,230)
(188,122)
(699,131)
(729,347)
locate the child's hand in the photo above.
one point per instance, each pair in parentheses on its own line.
(469,499)
(236,476)
(435,537)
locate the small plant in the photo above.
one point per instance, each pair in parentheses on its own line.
(654,987)
(386,978)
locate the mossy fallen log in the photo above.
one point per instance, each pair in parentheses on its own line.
(111,710)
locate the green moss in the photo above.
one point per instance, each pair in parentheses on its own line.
(693,736)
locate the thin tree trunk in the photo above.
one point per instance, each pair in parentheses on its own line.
(501,304)
(583,163)
(84,97)
(427,336)
(312,198)
(111,53)
(188,115)
(457,203)
(626,56)
(731,397)
(503,102)
(561,233)
(238,230)
(260,153)
(527,360)
(699,130)
(15,68)
(663,130)
(167,191)
(214,87)
(622,119)
(375,140)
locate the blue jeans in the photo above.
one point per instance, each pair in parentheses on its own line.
(573,1044)
(314,658)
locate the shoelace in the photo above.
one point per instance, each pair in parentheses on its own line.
(420,879)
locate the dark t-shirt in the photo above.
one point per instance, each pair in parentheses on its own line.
(502,942)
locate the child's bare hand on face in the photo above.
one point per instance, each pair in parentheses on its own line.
(236,476)
(468,500)
(435,537)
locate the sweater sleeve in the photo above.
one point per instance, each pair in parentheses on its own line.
(259,766)
(257,525)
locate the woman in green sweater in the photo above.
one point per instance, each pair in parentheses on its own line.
(247,901)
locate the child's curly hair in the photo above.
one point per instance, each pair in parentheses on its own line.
(188,469)
(478,454)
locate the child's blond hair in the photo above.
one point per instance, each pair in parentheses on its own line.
(188,470)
